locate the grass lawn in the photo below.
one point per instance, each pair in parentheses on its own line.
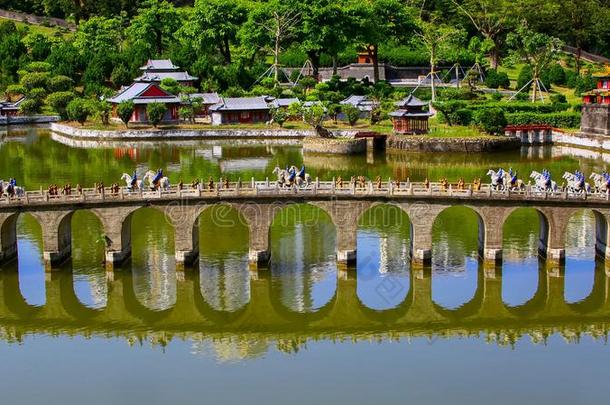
(48,31)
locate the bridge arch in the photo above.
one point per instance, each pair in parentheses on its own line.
(153,267)
(224,279)
(383,251)
(458,237)
(585,239)
(303,265)
(521,240)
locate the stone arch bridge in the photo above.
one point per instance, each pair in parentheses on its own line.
(259,202)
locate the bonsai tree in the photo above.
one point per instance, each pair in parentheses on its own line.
(155,112)
(352,114)
(78,110)
(314,116)
(279,116)
(125,111)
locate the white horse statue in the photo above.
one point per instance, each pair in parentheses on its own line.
(18,191)
(129,181)
(542,183)
(600,182)
(301,181)
(575,184)
(282,176)
(497,179)
(163,181)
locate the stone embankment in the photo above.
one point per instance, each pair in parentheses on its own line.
(338,146)
(185,134)
(465,145)
(28,120)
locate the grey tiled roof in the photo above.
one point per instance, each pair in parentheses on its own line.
(283,102)
(241,104)
(405,113)
(159,64)
(159,76)
(363,103)
(208,98)
(133,93)
(411,101)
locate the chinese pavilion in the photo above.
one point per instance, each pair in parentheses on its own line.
(156,70)
(596,107)
(411,116)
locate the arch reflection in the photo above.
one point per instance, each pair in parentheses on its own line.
(89,275)
(455,244)
(152,263)
(303,265)
(520,275)
(30,266)
(580,256)
(224,280)
(383,261)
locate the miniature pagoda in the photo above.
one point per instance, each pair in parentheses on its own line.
(596,107)
(156,70)
(411,116)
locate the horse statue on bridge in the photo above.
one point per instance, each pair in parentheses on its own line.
(601,182)
(292,176)
(11,189)
(156,180)
(576,183)
(497,179)
(543,181)
(133,183)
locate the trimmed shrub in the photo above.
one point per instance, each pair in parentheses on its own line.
(492,121)
(59,102)
(155,113)
(495,80)
(125,111)
(558,99)
(352,114)
(78,110)
(463,117)
(566,119)
(556,74)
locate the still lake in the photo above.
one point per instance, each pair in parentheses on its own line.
(302,331)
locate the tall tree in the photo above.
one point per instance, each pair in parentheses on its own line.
(153,28)
(537,49)
(492,18)
(270,27)
(438,40)
(218,22)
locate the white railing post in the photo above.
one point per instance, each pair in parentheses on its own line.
(267,182)
(333,186)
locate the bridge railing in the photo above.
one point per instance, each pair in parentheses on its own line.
(316,188)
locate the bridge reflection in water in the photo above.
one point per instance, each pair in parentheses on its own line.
(303,295)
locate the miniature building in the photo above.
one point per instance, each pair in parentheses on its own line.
(9,109)
(596,107)
(367,57)
(240,110)
(156,70)
(283,102)
(411,117)
(207,100)
(363,103)
(142,94)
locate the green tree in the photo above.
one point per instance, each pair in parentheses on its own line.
(334,109)
(217,22)
(120,75)
(102,110)
(438,40)
(171,85)
(60,83)
(124,111)
(491,120)
(153,29)
(155,113)
(78,110)
(537,49)
(59,102)
(352,114)
(492,18)
(279,116)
